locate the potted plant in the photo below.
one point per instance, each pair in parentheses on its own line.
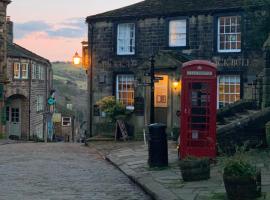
(242,179)
(113,110)
(195,168)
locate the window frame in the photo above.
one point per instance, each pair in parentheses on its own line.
(235,76)
(69,121)
(169,31)
(117,92)
(40,103)
(26,70)
(18,70)
(216,32)
(117,39)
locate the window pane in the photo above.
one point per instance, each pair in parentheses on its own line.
(177,33)
(126,39)
(125,89)
(231,92)
(230,34)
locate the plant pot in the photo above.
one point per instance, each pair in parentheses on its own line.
(243,188)
(195,170)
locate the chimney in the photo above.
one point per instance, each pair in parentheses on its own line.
(9,30)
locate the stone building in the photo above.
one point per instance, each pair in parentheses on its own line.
(3,52)
(26,93)
(122,41)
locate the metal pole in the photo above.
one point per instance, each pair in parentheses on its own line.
(152,75)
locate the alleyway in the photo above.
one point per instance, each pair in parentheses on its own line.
(60,171)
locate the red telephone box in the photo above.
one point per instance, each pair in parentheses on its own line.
(198,109)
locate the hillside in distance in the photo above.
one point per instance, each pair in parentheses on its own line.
(70,83)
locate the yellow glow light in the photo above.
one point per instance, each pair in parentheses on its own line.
(76,59)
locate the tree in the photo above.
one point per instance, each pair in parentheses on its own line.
(257,14)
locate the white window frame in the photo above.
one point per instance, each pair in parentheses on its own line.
(178,33)
(127,79)
(37,72)
(34,68)
(26,76)
(230,33)
(66,120)
(126,39)
(40,103)
(234,80)
(18,76)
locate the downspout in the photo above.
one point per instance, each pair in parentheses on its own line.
(91,81)
(29,99)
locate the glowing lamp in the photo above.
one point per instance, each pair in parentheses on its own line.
(175,84)
(76,59)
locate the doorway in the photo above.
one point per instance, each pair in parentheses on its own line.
(161,98)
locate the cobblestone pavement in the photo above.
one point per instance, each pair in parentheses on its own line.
(61,171)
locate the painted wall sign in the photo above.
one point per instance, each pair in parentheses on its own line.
(231,62)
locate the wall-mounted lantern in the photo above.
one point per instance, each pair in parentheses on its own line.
(177,85)
(76,59)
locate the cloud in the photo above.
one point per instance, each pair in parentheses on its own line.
(70,28)
(66,32)
(22,29)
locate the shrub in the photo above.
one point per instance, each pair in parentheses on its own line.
(113,109)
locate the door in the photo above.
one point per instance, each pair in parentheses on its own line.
(161,98)
(198,108)
(15,122)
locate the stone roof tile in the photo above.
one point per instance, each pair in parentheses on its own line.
(150,8)
(14,50)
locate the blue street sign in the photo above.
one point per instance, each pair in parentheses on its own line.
(51,101)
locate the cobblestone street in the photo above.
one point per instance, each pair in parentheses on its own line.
(61,171)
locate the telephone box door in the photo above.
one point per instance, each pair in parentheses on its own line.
(198,116)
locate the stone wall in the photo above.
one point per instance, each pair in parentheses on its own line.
(152,36)
(29,89)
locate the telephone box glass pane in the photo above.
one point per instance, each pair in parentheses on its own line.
(200,114)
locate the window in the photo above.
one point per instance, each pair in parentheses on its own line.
(42,73)
(17,70)
(125,90)
(178,33)
(7,113)
(229,34)
(37,72)
(126,39)
(66,121)
(15,115)
(40,103)
(34,68)
(24,71)
(229,90)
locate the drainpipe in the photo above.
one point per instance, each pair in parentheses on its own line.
(90,74)
(29,98)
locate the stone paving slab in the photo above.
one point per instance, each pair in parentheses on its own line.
(166,183)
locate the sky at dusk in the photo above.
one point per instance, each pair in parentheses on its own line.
(54,29)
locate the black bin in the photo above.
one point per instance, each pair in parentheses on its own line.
(157,146)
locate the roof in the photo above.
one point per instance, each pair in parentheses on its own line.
(14,50)
(150,8)
(166,60)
